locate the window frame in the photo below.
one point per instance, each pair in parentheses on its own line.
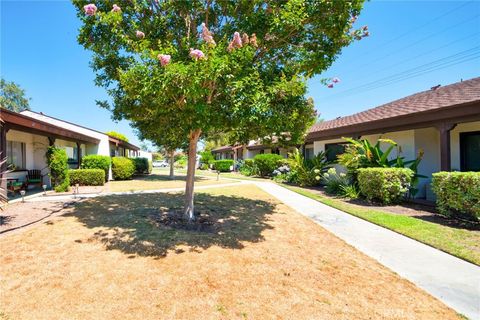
(463,149)
(344,144)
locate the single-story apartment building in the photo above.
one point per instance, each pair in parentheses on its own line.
(25,137)
(443,123)
(248,151)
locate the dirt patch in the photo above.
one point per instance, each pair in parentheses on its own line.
(175,219)
(21,215)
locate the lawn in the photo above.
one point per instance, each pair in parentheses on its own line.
(107,258)
(462,243)
(159,179)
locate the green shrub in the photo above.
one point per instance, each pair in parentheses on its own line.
(203,166)
(307,172)
(223,165)
(335,182)
(181,162)
(122,168)
(87,177)
(94,161)
(458,193)
(247,167)
(57,161)
(206,157)
(267,163)
(385,185)
(142,165)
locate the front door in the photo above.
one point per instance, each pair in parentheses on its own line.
(470,151)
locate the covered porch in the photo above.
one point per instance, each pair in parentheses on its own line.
(23,144)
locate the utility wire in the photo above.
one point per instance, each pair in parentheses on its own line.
(442,63)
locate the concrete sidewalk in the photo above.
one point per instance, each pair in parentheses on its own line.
(453,281)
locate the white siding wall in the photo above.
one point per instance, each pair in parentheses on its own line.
(428,141)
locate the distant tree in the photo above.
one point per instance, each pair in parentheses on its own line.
(203,66)
(12,97)
(117,135)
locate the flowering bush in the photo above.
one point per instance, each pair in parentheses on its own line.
(307,172)
(335,183)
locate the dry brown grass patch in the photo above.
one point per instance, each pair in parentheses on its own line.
(108,260)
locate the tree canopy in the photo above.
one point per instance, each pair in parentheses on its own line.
(117,135)
(12,96)
(182,70)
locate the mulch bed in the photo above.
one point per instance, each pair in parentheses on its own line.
(175,218)
(426,212)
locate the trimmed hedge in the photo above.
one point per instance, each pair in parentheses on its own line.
(458,194)
(122,168)
(267,163)
(57,161)
(385,185)
(142,165)
(223,165)
(94,161)
(87,177)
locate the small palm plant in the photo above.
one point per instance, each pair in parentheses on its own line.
(363,154)
(308,171)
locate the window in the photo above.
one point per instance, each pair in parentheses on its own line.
(470,151)
(276,151)
(262,151)
(72,154)
(333,150)
(16,154)
(308,153)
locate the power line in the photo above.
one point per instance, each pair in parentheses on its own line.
(445,62)
(415,29)
(415,43)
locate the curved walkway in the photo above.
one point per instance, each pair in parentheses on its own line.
(453,281)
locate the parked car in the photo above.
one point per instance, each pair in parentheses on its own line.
(160,164)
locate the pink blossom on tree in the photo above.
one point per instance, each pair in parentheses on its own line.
(207,35)
(335,80)
(140,34)
(116,8)
(90,9)
(237,41)
(196,54)
(253,40)
(330,85)
(164,59)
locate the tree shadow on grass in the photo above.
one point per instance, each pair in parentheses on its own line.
(127,223)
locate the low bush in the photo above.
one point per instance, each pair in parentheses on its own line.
(203,166)
(458,194)
(206,157)
(181,162)
(57,161)
(307,172)
(87,177)
(385,185)
(122,168)
(335,183)
(223,165)
(94,161)
(142,165)
(247,168)
(267,163)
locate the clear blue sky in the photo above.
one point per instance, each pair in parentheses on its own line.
(426,39)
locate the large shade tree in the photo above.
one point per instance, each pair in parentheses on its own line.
(203,66)
(13,97)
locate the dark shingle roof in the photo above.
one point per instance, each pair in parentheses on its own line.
(430,100)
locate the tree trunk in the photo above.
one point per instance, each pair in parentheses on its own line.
(192,160)
(171,160)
